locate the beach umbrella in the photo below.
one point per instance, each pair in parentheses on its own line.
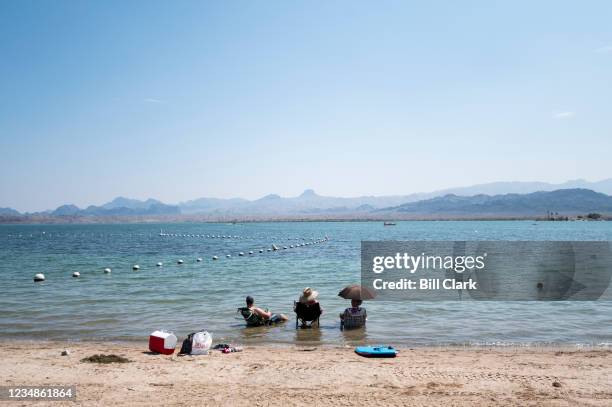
(356,292)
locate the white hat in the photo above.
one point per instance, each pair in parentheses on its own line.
(308,295)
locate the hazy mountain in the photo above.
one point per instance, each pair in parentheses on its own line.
(121,202)
(9,212)
(119,207)
(66,210)
(208,205)
(309,202)
(564,201)
(498,188)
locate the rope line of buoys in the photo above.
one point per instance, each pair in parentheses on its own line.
(39,277)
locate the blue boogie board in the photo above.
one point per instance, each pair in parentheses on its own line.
(378,351)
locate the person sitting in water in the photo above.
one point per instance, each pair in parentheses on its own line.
(353,317)
(307,308)
(255,316)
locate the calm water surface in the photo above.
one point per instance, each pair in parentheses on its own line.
(127,305)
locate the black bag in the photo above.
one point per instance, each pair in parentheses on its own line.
(186,346)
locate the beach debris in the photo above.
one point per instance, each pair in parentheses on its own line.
(227,348)
(159,264)
(38,277)
(76,274)
(65,352)
(180,261)
(556,384)
(215,257)
(101,358)
(135,267)
(107,270)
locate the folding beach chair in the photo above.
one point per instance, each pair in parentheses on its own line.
(307,314)
(351,319)
(251,318)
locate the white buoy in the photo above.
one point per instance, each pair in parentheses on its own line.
(215,257)
(284,247)
(179,261)
(107,270)
(228,256)
(39,277)
(269,250)
(251,252)
(291,246)
(159,264)
(240,254)
(135,267)
(199,259)
(76,274)
(260,250)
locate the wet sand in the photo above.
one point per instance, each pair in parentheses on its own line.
(314,376)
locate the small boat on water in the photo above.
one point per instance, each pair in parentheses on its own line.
(389,223)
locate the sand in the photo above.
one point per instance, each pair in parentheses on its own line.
(308,376)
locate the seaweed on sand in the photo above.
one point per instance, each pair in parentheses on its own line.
(101,358)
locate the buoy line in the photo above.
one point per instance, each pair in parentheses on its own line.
(40,277)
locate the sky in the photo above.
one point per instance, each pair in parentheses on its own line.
(189,99)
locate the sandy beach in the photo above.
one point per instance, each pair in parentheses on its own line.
(296,376)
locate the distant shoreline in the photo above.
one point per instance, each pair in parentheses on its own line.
(91,220)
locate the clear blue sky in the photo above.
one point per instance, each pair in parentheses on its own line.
(179,100)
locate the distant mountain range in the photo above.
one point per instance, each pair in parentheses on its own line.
(492,199)
(310,203)
(499,188)
(562,201)
(117,207)
(307,203)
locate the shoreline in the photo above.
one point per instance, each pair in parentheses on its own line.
(197,220)
(272,345)
(313,375)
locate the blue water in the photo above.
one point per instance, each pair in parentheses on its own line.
(128,305)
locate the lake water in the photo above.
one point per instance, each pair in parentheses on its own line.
(128,305)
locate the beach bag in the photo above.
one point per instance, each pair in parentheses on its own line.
(186,346)
(196,343)
(162,342)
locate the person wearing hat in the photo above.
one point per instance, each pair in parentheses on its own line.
(307,309)
(309,296)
